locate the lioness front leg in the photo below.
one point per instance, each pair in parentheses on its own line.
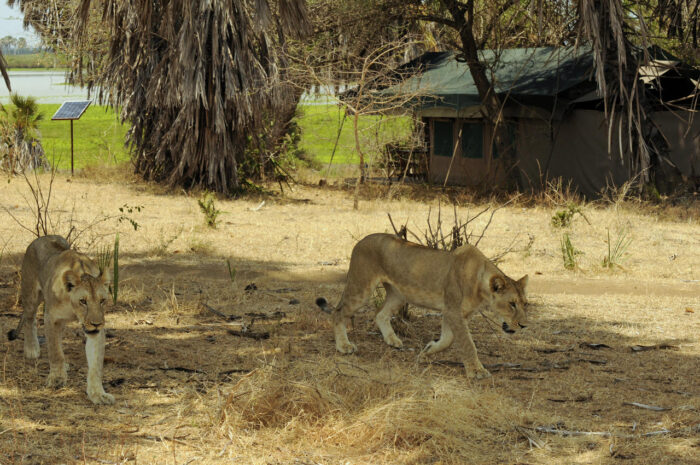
(445,341)
(95,352)
(465,344)
(31,340)
(54,344)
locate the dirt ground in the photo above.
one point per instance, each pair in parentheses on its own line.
(190,391)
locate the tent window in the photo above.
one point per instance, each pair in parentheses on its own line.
(442,138)
(509,131)
(472,140)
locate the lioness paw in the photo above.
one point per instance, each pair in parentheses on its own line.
(56,380)
(434,347)
(100,398)
(394,341)
(346,348)
(32,351)
(481,373)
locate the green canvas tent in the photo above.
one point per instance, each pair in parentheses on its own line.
(554,117)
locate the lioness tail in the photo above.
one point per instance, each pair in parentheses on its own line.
(14,333)
(323,305)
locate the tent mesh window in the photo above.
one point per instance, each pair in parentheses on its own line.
(510,135)
(472,140)
(442,138)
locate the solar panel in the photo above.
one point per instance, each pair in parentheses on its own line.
(71,110)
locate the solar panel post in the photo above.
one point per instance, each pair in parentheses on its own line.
(71,147)
(71,111)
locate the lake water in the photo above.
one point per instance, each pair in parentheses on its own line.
(51,87)
(44,86)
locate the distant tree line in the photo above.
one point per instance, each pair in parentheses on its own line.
(17,46)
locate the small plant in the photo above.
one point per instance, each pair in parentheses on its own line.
(231,271)
(165,241)
(115,273)
(208,207)
(569,253)
(125,212)
(617,250)
(563,218)
(104,258)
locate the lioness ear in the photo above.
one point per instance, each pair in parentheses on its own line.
(70,280)
(497,284)
(106,277)
(523,282)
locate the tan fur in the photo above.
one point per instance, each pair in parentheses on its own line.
(455,283)
(71,287)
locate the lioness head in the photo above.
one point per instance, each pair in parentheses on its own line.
(509,302)
(88,296)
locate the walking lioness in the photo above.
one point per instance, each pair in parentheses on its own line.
(71,286)
(455,283)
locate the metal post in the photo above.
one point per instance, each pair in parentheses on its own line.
(71,147)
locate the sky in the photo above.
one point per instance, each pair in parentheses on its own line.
(11,24)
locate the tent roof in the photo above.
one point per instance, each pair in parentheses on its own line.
(520,73)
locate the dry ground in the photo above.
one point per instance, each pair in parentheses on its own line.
(188,391)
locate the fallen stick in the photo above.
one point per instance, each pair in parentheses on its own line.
(638,348)
(278,315)
(234,370)
(530,438)
(248,334)
(554,350)
(182,369)
(647,407)
(575,399)
(220,314)
(563,432)
(176,439)
(566,432)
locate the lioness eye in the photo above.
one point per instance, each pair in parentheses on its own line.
(103,301)
(83,301)
(512,305)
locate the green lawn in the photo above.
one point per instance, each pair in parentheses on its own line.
(320,123)
(98,138)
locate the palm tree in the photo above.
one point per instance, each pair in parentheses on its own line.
(20,144)
(200,83)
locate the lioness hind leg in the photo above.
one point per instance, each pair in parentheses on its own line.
(355,296)
(394,300)
(345,310)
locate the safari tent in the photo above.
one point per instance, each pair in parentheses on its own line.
(554,118)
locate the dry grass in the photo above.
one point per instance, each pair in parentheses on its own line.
(189,392)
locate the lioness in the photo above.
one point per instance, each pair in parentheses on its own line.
(71,287)
(455,283)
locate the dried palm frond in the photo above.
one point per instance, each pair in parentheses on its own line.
(3,71)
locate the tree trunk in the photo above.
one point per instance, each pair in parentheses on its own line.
(463,17)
